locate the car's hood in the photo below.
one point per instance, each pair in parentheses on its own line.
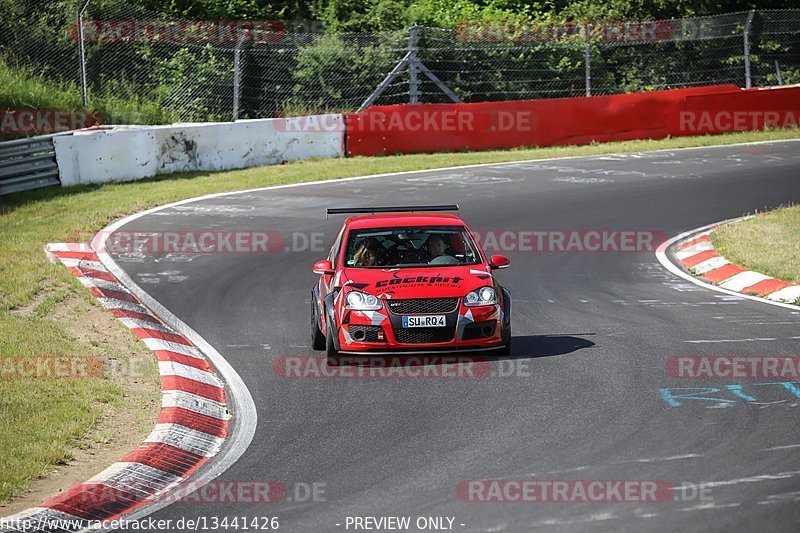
(424,282)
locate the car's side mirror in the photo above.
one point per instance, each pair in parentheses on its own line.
(499,261)
(323,267)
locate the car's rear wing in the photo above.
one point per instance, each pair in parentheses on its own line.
(389,209)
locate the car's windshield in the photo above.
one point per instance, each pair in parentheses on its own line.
(414,246)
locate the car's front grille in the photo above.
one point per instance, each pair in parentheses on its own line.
(421,306)
(370,333)
(423,335)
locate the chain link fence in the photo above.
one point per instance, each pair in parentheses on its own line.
(221,70)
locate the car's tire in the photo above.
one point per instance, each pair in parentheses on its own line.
(505,351)
(331,352)
(317,337)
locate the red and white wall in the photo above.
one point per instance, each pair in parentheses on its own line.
(134,152)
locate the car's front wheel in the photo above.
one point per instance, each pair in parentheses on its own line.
(317,338)
(505,351)
(330,349)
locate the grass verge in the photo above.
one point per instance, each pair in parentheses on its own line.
(44,420)
(23,88)
(768,243)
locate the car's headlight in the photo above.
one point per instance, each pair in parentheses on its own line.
(361,301)
(482,296)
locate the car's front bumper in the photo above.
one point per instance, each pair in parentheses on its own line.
(467,329)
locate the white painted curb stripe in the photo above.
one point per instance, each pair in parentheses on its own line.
(113,303)
(69,247)
(171,368)
(192,402)
(136,481)
(160,344)
(694,250)
(89,282)
(742,280)
(786,294)
(188,439)
(83,264)
(136,478)
(709,264)
(661,255)
(241,431)
(136,323)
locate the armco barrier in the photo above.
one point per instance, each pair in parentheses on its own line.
(134,152)
(501,125)
(27,164)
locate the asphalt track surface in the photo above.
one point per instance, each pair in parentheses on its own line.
(592,336)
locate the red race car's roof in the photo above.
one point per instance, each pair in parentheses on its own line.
(404,219)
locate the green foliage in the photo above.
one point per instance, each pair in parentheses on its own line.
(332,68)
(381,15)
(139,82)
(186,79)
(225,9)
(22,88)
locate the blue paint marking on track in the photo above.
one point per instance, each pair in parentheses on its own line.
(678,396)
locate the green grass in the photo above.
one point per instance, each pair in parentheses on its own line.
(42,420)
(768,243)
(22,88)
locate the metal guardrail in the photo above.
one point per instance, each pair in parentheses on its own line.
(28,164)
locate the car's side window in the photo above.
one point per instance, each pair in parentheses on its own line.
(335,248)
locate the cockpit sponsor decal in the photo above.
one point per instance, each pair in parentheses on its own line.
(419,281)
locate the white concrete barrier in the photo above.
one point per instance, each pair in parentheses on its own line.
(134,152)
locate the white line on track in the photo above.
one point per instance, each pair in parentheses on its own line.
(776,448)
(757,339)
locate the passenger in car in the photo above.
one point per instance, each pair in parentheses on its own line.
(369,253)
(437,251)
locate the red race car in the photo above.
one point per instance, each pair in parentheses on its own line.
(407,283)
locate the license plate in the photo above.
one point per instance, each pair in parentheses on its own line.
(424,321)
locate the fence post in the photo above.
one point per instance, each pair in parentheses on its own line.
(747,79)
(413,67)
(237,74)
(778,72)
(588,59)
(82,51)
